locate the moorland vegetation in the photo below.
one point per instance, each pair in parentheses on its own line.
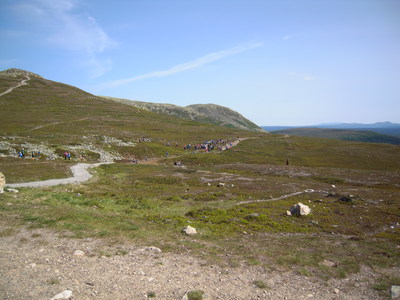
(150,202)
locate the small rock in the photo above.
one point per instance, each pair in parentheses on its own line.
(288,213)
(79,253)
(395,291)
(208,184)
(63,295)
(327,263)
(345,199)
(12,191)
(336,291)
(189,230)
(153,249)
(2,182)
(221,184)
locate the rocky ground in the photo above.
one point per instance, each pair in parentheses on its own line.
(38,264)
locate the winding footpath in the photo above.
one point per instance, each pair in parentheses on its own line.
(79,171)
(23,82)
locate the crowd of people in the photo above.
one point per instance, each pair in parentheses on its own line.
(210,145)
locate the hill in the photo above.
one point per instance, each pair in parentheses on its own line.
(236,199)
(36,110)
(204,113)
(342,134)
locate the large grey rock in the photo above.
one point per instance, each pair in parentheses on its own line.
(2,182)
(300,209)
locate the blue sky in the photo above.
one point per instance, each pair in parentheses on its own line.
(276,62)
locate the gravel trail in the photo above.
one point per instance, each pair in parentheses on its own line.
(79,171)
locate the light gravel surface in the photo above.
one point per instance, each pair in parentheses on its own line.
(38,264)
(80,174)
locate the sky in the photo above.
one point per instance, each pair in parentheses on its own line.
(277,62)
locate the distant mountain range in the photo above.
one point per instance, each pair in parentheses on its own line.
(381,132)
(379,127)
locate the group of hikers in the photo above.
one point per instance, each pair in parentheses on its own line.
(210,145)
(33,154)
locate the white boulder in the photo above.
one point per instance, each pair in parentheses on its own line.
(189,230)
(300,209)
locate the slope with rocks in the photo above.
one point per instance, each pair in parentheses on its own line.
(59,117)
(204,113)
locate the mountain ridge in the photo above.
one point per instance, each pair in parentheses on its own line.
(204,113)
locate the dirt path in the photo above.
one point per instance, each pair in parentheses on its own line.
(79,171)
(284,196)
(23,82)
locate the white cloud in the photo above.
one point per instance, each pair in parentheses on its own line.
(287,37)
(206,59)
(69,30)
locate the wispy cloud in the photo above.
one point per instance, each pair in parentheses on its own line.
(69,30)
(8,62)
(287,37)
(302,76)
(199,62)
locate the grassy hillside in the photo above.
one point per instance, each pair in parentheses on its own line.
(66,118)
(241,222)
(342,134)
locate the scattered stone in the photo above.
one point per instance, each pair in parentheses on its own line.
(79,253)
(153,249)
(336,291)
(288,213)
(12,191)
(189,230)
(63,295)
(345,199)
(327,263)
(252,216)
(395,291)
(221,184)
(313,222)
(208,184)
(300,209)
(2,182)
